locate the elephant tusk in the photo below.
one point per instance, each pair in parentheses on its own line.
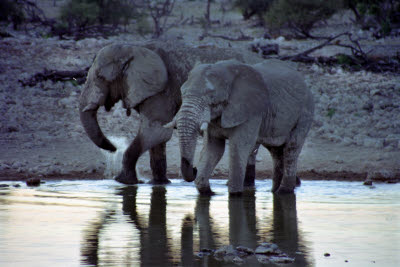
(170,125)
(204,127)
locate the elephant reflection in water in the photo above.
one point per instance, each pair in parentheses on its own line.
(285,230)
(155,248)
(243,229)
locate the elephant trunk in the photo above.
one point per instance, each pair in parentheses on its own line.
(89,121)
(188,125)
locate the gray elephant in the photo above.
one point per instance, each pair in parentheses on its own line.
(267,103)
(146,78)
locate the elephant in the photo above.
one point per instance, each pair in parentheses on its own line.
(146,77)
(266,104)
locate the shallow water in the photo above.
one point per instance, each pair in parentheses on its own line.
(101,223)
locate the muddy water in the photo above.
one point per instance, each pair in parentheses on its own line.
(101,223)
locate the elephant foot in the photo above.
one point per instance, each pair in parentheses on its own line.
(284,190)
(128,179)
(298,181)
(250,176)
(206,191)
(159,181)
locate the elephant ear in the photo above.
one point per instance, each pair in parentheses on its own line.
(112,59)
(145,76)
(248,97)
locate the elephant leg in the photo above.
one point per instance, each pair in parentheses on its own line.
(291,152)
(158,164)
(250,175)
(210,155)
(288,182)
(277,159)
(131,155)
(150,135)
(241,144)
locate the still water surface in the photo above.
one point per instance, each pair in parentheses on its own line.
(101,223)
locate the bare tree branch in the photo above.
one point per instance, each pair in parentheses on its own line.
(242,37)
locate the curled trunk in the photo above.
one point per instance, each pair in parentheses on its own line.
(92,128)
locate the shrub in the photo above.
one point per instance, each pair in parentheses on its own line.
(11,11)
(299,15)
(83,13)
(80,14)
(251,8)
(383,15)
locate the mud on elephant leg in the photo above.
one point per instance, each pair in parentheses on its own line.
(131,155)
(289,179)
(158,164)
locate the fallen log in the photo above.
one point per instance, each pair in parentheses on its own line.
(79,76)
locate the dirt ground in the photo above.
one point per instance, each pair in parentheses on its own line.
(355,134)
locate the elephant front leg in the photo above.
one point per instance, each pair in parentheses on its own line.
(151,135)
(241,145)
(210,155)
(158,164)
(131,155)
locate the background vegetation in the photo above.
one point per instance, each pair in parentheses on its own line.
(82,17)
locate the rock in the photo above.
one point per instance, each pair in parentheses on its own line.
(369,106)
(4,185)
(237,260)
(33,182)
(327,255)
(206,251)
(281,260)
(367,182)
(225,250)
(268,249)
(246,250)
(263,259)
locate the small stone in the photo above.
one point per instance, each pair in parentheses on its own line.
(206,250)
(368,182)
(280,260)
(17,185)
(237,260)
(267,248)
(245,250)
(327,255)
(33,182)
(4,185)
(263,259)
(225,250)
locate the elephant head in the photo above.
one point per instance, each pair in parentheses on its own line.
(227,93)
(119,72)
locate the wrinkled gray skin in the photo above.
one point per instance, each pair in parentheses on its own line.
(267,103)
(146,78)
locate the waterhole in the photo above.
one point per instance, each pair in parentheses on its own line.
(103,223)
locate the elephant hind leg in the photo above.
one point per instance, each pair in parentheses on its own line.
(291,152)
(277,159)
(158,164)
(250,175)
